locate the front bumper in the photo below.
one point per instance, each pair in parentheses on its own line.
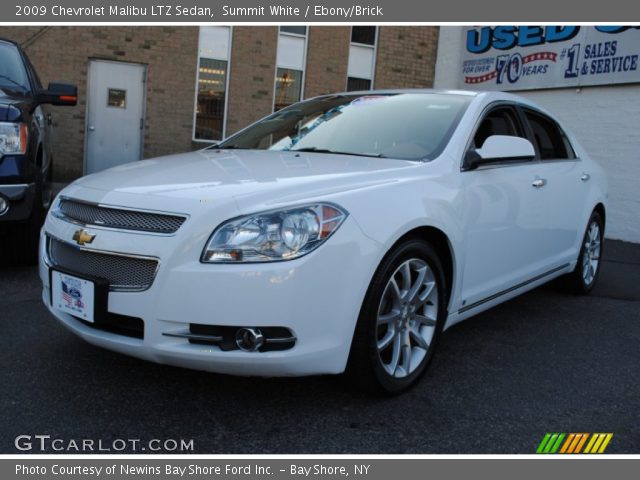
(317,297)
(20,198)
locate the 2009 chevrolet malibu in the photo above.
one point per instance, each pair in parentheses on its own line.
(342,233)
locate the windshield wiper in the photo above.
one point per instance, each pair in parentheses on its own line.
(337,152)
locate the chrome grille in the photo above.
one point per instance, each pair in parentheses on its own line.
(90,214)
(124,273)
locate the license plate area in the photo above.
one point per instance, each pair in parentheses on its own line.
(78,295)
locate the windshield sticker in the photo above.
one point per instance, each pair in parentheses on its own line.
(367,100)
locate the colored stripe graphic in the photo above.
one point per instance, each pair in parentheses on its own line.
(543,443)
(581,443)
(550,443)
(598,443)
(577,443)
(565,447)
(574,443)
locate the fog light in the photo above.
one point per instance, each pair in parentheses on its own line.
(249,339)
(4,205)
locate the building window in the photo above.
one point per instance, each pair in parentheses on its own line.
(291,60)
(363,35)
(117,98)
(354,84)
(288,88)
(362,58)
(293,29)
(212,83)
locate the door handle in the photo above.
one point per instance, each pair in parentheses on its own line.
(585,177)
(91,128)
(539,183)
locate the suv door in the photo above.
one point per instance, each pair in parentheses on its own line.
(504,216)
(42,122)
(565,190)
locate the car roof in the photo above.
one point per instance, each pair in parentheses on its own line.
(487,95)
(407,90)
(480,95)
(484,96)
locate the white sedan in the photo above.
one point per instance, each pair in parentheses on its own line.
(340,234)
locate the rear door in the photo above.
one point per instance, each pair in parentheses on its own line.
(564,191)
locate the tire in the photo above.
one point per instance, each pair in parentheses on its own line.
(583,278)
(400,320)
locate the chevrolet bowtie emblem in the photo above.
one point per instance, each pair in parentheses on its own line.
(81,237)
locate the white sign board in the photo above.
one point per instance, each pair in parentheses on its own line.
(527,57)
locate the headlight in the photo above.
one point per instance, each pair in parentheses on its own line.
(276,235)
(13,138)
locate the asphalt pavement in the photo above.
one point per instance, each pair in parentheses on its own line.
(547,361)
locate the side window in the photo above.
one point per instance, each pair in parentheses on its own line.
(571,153)
(499,121)
(550,140)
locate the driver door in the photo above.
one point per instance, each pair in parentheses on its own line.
(503,216)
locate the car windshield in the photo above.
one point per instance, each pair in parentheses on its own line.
(13,76)
(411,126)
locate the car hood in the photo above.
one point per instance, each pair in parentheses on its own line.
(247,176)
(13,108)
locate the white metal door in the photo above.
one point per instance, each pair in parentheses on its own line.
(115,114)
(505,226)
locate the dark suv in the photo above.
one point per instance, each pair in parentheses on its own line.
(25,152)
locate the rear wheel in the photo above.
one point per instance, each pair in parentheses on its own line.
(585,275)
(400,320)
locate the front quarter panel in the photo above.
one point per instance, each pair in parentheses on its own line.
(427,197)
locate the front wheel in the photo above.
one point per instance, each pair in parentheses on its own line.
(400,320)
(19,240)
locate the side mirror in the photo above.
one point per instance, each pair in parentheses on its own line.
(499,148)
(59,94)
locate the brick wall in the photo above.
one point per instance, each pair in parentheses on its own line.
(63,53)
(253,60)
(406,57)
(327,60)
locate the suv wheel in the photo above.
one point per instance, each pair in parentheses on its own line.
(20,240)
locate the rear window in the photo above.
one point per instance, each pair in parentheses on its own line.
(550,140)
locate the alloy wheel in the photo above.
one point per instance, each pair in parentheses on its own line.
(591,255)
(407,317)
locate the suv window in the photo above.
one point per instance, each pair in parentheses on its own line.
(549,139)
(499,121)
(12,72)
